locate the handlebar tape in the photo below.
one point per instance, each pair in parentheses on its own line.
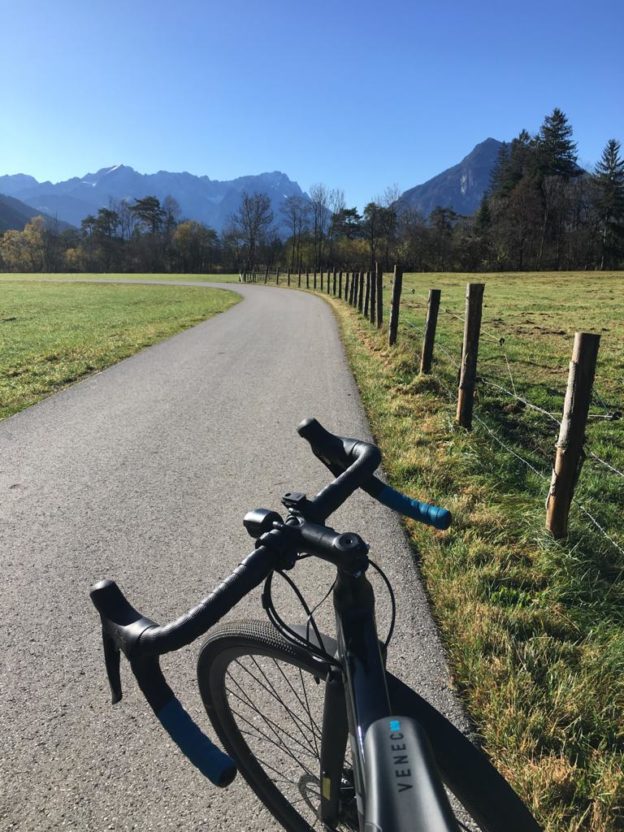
(195,745)
(247,576)
(439,518)
(190,739)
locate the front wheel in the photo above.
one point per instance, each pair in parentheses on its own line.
(264,697)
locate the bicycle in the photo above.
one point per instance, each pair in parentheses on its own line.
(349,745)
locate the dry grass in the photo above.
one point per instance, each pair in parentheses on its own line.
(535,628)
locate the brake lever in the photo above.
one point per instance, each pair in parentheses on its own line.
(112,660)
(122,627)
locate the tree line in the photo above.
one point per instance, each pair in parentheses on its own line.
(542,211)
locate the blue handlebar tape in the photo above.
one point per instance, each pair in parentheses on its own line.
(439,518)
(205,756)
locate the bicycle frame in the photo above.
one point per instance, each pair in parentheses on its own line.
(391,755)
(355,697)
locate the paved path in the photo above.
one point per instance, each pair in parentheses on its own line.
(143,473)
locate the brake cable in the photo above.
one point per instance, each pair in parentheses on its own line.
(295,638)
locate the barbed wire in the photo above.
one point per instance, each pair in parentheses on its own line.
(597,525)
(611,414)
(449,355)
(415,327)
(511,378)
(452,314)
(606,464)
(524,401)
(438,347)
(545,477)
(507,448)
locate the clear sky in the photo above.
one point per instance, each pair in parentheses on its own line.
(356,94)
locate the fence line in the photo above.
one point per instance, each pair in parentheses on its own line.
(360,292)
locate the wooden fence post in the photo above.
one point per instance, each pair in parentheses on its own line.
(569,454)
(373,297)
(307,280)
(367,294)
(321,280)
(379,282)
(430,330)
(470,351)
(288,277)
(361,293)
(396,301)
(356,297)
(277,271)
(340,285)
(352,288)
(334,282)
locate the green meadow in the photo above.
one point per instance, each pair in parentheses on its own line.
(37,277)
(53,334)
(534,627)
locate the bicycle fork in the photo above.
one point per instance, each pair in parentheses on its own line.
(356,695)
(393,784)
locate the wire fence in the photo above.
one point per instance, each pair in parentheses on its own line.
(510,391)
(500,358)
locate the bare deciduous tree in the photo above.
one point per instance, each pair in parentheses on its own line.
(252,222)
(296,211)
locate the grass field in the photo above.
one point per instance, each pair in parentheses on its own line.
(52,334)
(534,628)
(188,278)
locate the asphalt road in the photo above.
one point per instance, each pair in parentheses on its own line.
(143,473)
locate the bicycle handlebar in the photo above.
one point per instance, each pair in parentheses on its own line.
(342,456)
(122,627)
(142,641)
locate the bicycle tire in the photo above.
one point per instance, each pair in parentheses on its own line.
(486,796)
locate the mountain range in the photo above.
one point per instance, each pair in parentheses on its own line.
(213,202)
(14,215)
(199,197)
(460,187)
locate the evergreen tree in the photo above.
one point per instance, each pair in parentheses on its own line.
(609,184)
(483,220)
(149,213)
(500,178)
(556,152)
(515,161)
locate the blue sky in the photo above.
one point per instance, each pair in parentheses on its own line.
(357,95)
